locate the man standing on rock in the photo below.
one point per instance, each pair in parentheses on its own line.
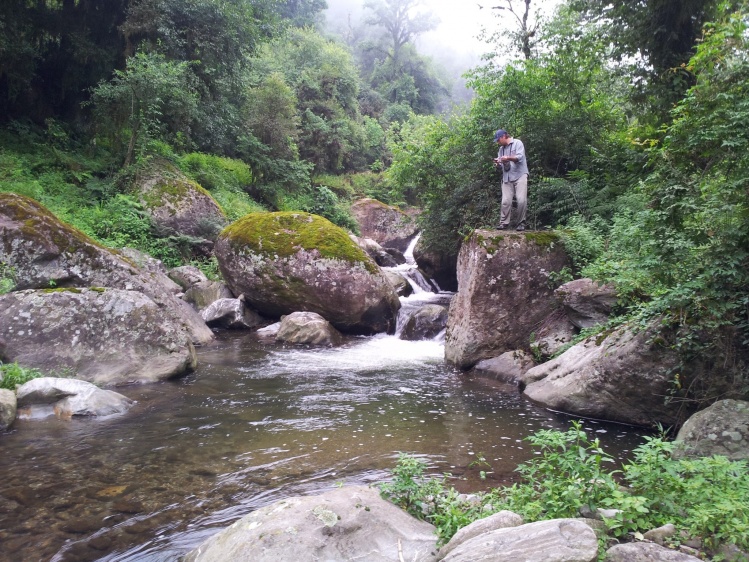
(511,157)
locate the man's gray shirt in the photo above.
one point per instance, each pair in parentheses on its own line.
(517,169)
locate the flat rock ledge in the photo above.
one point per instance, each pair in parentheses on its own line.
(351,523)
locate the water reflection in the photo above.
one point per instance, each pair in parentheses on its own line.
(255,423)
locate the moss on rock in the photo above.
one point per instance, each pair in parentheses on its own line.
(283,234)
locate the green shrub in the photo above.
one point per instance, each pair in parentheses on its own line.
(704,498)
(12,375)
(7,278)
(321,201)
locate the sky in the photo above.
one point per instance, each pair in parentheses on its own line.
(461,21)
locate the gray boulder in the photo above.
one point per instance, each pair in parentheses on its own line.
(290,262)
(720,429)
(105,336)
(186,276)
(556,540)
(500,520)
(151,265)
(269,332)
(508,367)
(7,408)
(426,323)
(232,314)
(402,287)
(71,397)
(46,252)
(178,204)
(386,225)
(381,257)
(439,266)
(308,328)
(553,334)
(351,523)
(204,293)
(503,293)
(586,302)
(621,376)
(645,552)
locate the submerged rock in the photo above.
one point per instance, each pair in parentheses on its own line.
(106,336)
(720,429)
(623,376)
(290,262)
(71,397)
(503,293)
(426,323)
(351,523)
(308,328)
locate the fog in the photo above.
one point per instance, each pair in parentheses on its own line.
(455,44)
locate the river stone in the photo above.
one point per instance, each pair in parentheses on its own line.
(555,332)
(386,225)
(309,328)
(291,262)
(46,252)
(426,323)
(508,367)
(645,552)
(503,293)
(178,204)
(501,520)
(232,314)
(440,266)
(556,540)
(400,284)
(350,523)
(586,302)
(661,534)
(151,265)
(375,251)
(202,294)
(105,336)
(622,376)
(720,429)
(72,397)
(7,408)
(186,276)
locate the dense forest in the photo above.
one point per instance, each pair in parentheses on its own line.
(635,118)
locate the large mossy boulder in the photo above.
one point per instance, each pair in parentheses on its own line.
(178,204)
(289,262)
(44,252)
(504,293)
(104,336)
(624,375)
(388,226)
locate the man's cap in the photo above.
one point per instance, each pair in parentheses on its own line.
(499,134)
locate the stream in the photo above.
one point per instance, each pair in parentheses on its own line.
(258,421)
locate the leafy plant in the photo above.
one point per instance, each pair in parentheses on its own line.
(7,278)
(13,375)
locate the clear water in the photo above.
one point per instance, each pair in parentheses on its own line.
(255,423)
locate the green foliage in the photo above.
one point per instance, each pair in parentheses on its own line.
(320,200)
(7,278)
(13,375)
(705,498)
(584,241)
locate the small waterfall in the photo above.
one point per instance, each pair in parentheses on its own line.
(410,270)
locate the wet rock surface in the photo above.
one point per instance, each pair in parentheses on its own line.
(7,408)
(308,328)
(70,397)
(508,367)
(232,314)
(426,323)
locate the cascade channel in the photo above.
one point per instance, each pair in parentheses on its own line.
(255,423)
